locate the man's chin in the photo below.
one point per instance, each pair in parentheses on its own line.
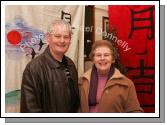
(62,52)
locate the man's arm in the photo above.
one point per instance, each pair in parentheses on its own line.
(30,96)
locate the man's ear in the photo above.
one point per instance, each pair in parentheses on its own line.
(47,37)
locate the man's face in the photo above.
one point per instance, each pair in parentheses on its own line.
(59,39)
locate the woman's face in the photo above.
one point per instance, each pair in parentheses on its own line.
(103,59)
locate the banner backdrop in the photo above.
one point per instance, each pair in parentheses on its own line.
(134,28)
(25,31)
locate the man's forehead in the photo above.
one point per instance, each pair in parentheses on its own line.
(61,27)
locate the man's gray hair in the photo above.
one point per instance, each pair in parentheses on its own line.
(67,25)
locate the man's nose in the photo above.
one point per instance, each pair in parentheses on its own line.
(62,40)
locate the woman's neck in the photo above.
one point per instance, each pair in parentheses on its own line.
(102,73)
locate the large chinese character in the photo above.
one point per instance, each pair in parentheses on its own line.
(150,19)
(144,84)
(142,76)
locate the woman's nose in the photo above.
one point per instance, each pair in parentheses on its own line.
(102,56)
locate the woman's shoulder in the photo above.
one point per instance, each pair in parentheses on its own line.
(85,76)
(121,78)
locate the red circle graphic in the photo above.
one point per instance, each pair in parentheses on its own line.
(14,37)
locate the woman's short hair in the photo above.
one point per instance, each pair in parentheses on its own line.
(106,43)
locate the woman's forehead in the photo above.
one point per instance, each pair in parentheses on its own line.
(102,49)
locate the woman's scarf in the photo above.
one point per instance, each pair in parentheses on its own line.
(94,84)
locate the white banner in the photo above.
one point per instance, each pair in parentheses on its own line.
(25,29)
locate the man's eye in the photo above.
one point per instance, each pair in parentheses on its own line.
(58,36)
(66,37)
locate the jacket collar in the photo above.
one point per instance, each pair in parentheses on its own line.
(118,78)
(53,63)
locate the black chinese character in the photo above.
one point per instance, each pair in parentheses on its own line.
(142,68)
(66,17)
(150,19)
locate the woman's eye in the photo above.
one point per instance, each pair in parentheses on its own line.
(107,55)
(97,55)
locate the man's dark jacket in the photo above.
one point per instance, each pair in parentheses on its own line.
(45,85)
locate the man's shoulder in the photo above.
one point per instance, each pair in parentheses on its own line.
(36,62)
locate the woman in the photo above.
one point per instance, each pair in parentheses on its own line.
(104,88)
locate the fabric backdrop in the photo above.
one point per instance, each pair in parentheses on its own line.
(25,30)
(134,29)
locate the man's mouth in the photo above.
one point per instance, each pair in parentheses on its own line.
(61,46)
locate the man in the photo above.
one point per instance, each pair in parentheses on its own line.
(49,82)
